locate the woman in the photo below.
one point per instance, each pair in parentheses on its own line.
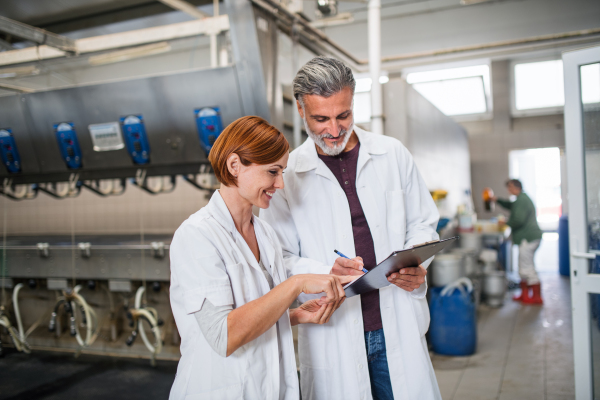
(229,292)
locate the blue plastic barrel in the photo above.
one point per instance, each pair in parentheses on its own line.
(453,328)
(564,262)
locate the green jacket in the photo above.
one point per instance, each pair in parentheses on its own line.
(523,220)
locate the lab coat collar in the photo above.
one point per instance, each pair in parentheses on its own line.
(218,209)
(308,158)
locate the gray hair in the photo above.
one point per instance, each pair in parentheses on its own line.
(322,76)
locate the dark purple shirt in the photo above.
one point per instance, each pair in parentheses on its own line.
(344,167)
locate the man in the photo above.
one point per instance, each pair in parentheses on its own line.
(527,234)
(359,193)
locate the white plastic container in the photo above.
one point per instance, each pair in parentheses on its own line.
(470,241)
(447,268)
(494,288)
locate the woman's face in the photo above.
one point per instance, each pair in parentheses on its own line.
(258,183)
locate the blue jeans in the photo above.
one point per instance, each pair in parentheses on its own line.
(381,385)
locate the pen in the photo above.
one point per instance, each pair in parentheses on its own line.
(341,255)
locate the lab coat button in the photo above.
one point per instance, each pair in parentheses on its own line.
(356,322)
(359,366)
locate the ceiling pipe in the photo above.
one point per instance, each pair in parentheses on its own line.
(185,7)
(316,40)
(374,27)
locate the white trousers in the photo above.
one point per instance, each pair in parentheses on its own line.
(526,266)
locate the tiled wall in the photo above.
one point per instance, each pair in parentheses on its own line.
(92,214)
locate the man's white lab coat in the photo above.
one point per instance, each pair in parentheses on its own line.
(311,216)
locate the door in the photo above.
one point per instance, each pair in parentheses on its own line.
(582,133)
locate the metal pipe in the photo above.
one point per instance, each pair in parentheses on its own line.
(295,67)
(375,66)
(312,35)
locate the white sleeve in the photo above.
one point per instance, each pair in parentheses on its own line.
(212,321)
(279,216)
(197,271)
(422,215)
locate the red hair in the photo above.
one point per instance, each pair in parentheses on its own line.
(253,139)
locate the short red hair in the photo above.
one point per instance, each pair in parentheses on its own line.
(253,139)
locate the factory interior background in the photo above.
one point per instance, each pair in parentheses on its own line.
(108,109)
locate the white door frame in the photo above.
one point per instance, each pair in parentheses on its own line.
(582,283)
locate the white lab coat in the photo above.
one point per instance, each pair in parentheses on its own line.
(311,216)
(208,262)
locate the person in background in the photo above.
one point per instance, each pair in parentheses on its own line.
(528,235)
(362,194)
(230,291)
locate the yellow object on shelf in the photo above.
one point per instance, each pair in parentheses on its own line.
(439,194)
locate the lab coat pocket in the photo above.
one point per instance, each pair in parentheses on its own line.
(422,313)
(395,212)
(242,283)
(233,392)
(315,383)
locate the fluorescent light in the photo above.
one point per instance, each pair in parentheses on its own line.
(130,54)
(19,71)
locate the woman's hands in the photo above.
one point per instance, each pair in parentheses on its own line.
(313,312)
(331,285)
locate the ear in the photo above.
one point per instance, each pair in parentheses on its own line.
(300,109)
(234,164)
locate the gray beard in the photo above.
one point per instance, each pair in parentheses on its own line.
(320,140)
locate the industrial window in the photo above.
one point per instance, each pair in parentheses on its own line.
(455,91)
(590,83)
(539,85)
(362,97)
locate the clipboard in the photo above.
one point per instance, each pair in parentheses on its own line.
(377,277)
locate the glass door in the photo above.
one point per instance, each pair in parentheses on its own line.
(582,132)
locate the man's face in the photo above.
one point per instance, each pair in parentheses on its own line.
(329,120)
(512,189)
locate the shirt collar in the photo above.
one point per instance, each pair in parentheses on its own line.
(308,158)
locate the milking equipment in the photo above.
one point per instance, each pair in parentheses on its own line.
(105,138)
(136,316)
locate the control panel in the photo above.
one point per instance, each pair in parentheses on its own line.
(9,152)
(68,144)
(136,138)
(210,126)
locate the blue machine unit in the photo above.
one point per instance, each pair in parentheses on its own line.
(210,126)
(9,152)
(68,144)
(136,138)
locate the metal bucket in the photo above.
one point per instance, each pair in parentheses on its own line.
(470,260)
(494,288)
(447,268)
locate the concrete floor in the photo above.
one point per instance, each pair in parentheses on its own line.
(524,352)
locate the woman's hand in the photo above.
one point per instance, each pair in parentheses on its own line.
(331,285)
(313,312)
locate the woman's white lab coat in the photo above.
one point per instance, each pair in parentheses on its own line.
(311,216)
(208,262)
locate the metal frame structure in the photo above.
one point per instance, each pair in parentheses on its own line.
(583,283)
